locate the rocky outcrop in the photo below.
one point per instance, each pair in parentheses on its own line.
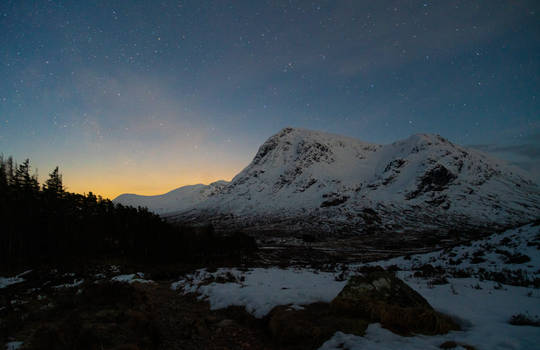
(382,297)
(310,327)
(377,296)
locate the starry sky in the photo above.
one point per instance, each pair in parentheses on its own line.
(146,96)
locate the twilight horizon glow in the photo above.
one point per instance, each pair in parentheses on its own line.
(143,97)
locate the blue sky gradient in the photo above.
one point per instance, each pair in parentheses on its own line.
(140,96)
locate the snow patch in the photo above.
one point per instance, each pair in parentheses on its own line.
(75,283)
(14,345)
(7,281)
(260,290)
(131,278)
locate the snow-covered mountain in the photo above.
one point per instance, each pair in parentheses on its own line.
(182,198)
(309,180)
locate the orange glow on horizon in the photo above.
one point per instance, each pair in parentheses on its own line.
(172,159)
(114,181)
(112,188)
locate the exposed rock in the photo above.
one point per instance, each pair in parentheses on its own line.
(310,327)
(395,164)
(378,296)
(436,179)
(370,216)
(334,201)
(382,297)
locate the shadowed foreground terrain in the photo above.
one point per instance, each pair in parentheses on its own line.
(85,273)
(457,295)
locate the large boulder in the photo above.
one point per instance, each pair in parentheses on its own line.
(376,296)
(310,327)
(380,296)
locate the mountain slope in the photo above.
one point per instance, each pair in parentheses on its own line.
(308,180)
(179,199)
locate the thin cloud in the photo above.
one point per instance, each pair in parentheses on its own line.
(525,156)
(527,150)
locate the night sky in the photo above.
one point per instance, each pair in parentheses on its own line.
(146,96)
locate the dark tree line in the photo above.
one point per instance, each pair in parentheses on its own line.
(48,224)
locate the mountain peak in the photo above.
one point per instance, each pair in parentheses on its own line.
(425,138)
(290,132)
(305,175)
(303,179)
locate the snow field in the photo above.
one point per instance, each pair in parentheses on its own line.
(260,290)
(7,281)
(131,278)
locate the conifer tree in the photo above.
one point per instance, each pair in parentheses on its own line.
(23,179)
(3,175)
(9,170)
(54,186)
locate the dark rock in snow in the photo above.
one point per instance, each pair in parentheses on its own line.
(310,327)
(436,179)
(334,201)
(382,297)
(377,296)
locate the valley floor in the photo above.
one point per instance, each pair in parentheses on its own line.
(483,285)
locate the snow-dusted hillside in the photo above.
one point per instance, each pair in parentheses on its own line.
(483,284)
(302,179)
(179,199)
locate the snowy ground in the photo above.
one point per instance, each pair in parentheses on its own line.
(512,252)
(483,306)
(259,290)
(14,345)
(131,278)
(7,281)
(482,284)
(484,312)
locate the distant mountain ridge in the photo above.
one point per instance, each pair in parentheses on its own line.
(182,198)
(308,180)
